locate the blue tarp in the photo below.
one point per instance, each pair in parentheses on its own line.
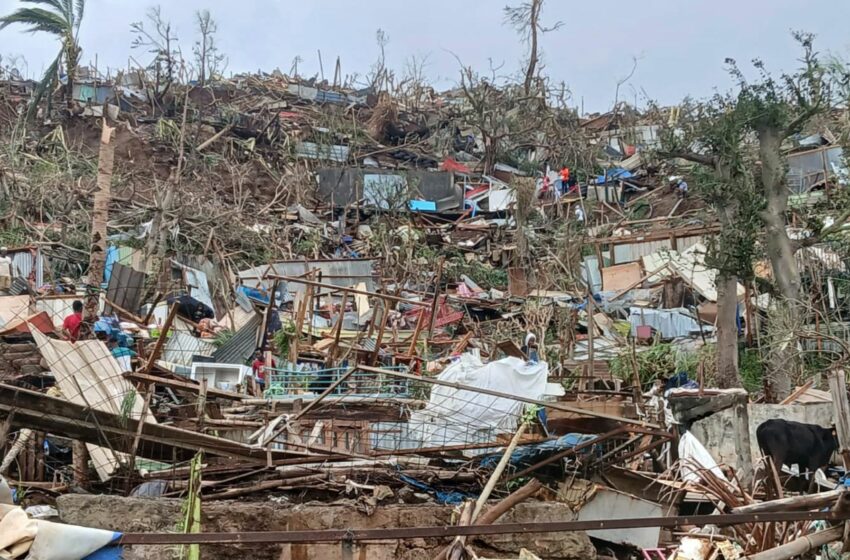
(423,205)
(112,257)
(614,174)
(527,455)
(450,498)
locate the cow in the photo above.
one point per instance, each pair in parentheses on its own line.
(808,446)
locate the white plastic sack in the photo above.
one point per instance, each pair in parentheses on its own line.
(55,541)
(458,417)
(695,456)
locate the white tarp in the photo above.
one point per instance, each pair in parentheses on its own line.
(458,417)
(695,457)
(46,540)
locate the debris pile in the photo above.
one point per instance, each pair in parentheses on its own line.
(350,299)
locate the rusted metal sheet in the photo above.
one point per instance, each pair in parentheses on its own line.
(349,535)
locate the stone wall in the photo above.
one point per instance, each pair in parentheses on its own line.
(162,515)
(717,432)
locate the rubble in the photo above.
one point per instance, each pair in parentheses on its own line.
(353,317)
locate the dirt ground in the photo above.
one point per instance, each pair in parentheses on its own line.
(162,515)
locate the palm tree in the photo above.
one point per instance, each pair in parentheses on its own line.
(60,18)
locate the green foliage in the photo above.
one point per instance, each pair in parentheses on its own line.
(751,369)
(222,337)
(127,407)
(659,360)
(61,19)
(482,274)
(12,237)
(283,338)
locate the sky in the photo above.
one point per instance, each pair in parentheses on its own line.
(680,45)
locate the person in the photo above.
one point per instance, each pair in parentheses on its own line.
(72,323)
(258,368)
(530,348)
(682,188)
(122,354)
(6,269)
(679,186)
(544,188)
(579,212)
(565,179)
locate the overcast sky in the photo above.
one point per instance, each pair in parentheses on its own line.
(680,44)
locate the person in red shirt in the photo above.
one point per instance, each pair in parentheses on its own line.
(258,366)
(72,323)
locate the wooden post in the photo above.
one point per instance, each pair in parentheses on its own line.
(591,326)
(385,315)
(5,427)
(160,342)
(334,350)
(420,322)
(138,435)
(841,408)
(436,301)
(80,458)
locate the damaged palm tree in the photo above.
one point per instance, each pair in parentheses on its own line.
(100,219)
(62,19)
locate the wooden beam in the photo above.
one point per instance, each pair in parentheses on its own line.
(332,352)
(160,342)
(333,288)
(838,389)
(436,302)
(806,501)
(130,314)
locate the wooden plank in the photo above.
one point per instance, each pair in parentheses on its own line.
(621,276)
(160,342)
(841,408)
(160,442)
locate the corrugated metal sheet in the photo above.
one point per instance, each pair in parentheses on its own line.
(126,287)
(337,272)
(242,345)
(635,251)
(199,287)
(311,150)
(28,263)
(182,346)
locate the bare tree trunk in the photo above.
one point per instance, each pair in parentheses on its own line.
(780,250)
(727,331)
(100,217)
(532,55)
